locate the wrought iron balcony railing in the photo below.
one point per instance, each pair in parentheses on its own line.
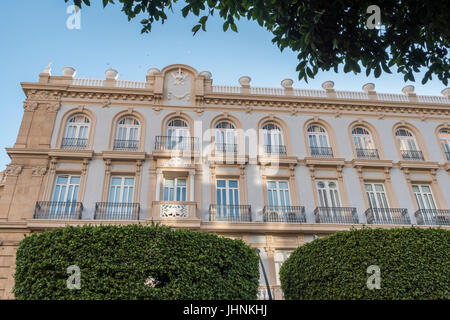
(116,211)
(126,145)
(367,153)
(321,152)
(346,215)
(433,217)
(176,143)
(230,213)
(73,143)
(58,210)
(447,154)
(288,214)
(275,149)
(226,148)
(412,155)
(387,216)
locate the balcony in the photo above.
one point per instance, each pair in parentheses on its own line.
(387,216)
(321,152)
(433,217)
(367,153)
(279,150)
(174,210)
(73,143)
(176,143)
(230,213)
(345,215)
(126,145)
(226,148)
(116,211)
(287,214)
(58,210)
(412,155)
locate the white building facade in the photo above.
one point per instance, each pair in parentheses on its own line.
(275,167)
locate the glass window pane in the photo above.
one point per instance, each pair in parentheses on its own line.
(221,183)
(233,183)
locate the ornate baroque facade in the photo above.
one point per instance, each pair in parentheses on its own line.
(276,167)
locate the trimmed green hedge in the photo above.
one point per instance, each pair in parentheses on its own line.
(116,262)
(414,264)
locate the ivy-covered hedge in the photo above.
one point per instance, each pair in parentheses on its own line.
(414,263)
(135,262)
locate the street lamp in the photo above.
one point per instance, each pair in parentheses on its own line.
(264,273)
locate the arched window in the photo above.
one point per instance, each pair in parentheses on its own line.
(318,141)
(127,134)
(76,132)
(225,137)
(273,139)
(444,139)
(178,136)
(408,145)
(364,145)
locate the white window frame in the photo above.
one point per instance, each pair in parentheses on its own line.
(444,139)
(225,135)
(377,198)
(132,130)
(362,139)
(124,190)
(80,128)
(272,134)
(232,198)
(70,189)
(318,138)
(327,195)
(406,140)
(279,193)
(176,189)
(424,199)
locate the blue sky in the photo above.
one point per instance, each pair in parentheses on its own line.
(33,33)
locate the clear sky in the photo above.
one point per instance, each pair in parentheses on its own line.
(32,33)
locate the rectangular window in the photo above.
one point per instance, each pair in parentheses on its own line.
(66,188)
(424,196)
(278,193)
(174,189)
(328,193)
(121,190)
(65,193)
(376,195)
(280,257)
(227,193)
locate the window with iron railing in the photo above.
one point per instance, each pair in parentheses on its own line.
(76,132)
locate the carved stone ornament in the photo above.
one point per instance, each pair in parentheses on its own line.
(53,106)
(30,105)
(173,211)
(13,170)
(178,77)
(38,171)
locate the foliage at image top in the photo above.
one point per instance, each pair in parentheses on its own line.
(414,35)
(414,264)
(135,262)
